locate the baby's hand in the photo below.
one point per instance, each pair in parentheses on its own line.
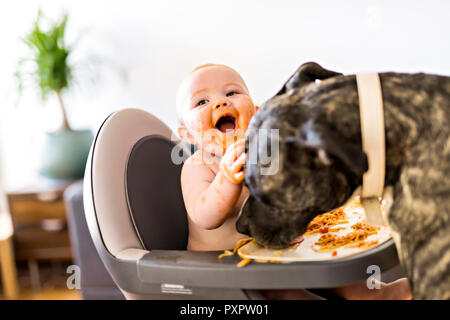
(233,161)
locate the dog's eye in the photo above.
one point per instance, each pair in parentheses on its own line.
(231,93)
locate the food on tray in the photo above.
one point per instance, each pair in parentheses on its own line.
(335,234)
(239,244)
(244,262)
(353,239)
(323,222)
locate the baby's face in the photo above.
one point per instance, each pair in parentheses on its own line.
(215,108)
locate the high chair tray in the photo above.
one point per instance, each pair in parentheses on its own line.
(205,269)
(345,233)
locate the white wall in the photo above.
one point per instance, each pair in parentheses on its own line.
(157,42)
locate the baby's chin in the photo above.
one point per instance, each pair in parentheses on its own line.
(213,149)
(216,142)
(231,137)
(218,148)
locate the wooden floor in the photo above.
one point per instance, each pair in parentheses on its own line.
(48,294)
(52,283)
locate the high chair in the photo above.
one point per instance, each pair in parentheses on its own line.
(137,219)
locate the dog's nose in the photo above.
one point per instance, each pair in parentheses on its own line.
(242,227)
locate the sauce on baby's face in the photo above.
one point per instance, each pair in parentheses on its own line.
(215,107)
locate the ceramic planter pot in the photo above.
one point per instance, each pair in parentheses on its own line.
(63,153)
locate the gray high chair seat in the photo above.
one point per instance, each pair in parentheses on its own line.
(136,216)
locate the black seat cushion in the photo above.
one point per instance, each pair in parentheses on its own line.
(154,195)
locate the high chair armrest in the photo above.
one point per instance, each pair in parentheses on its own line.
(205,269)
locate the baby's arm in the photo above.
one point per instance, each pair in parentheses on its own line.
(209,198)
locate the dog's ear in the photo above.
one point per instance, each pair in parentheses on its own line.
(327,142)
(305,74)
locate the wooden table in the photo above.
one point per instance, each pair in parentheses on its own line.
(40,225)
(7,261)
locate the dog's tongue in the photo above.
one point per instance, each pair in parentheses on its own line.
(299,239)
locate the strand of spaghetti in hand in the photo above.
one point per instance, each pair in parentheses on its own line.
(233,161)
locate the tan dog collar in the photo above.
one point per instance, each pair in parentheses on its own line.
(373,143)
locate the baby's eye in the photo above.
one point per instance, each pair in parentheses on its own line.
(231,93)
(202,102)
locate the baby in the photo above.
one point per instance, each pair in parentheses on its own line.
(214,109)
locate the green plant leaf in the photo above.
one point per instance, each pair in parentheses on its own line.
(49,52)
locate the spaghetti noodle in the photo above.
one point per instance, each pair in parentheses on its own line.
(323,222)
(328,241)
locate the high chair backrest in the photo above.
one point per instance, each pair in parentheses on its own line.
(154,194)
(133,197)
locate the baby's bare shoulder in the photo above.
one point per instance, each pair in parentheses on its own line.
(196,177)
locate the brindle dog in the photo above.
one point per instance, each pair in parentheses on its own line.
(321,163)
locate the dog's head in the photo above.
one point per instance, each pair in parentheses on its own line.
(318,164)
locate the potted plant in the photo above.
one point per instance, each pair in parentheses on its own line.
(64,151)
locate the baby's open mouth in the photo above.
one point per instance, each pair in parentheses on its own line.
(226,123)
